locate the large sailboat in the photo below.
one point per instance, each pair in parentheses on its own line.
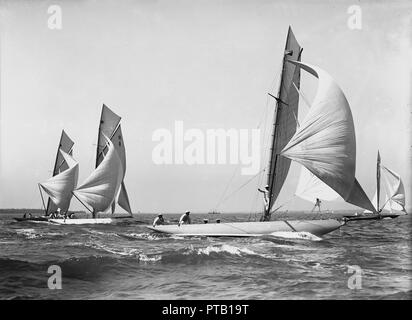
(324,143)
(394,195)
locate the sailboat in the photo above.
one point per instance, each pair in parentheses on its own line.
(62,183)
(324,143)
(394,195)
(99,190)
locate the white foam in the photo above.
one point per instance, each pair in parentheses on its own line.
(302,235)
(225,248)
(128,252)
(146,236)
(28,233)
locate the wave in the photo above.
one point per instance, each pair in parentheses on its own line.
(291,235)
(140,236)
(30,233)
(225,248)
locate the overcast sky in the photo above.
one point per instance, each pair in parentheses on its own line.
(209,64)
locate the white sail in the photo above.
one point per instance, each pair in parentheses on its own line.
(325,142)
(394,192)
(60,165)
(310,187)
(110,126)
(101,187)
(59,187)
(396,189)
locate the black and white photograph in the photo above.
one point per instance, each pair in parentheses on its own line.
(225,150)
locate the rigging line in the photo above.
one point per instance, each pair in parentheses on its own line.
(302,96)
(63,161)
(227,187)
(387,194)
(101,153)
(244,184)
(82,203)
(283,204)
(42,199)
(255,198)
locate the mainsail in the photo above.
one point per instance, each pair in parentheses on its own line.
(59,187)
(101,187)
(110,127)
(285,119)
(310,188)
(325,142)
(65,145)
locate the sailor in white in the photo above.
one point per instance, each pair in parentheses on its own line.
(184,219)
(265,196)
(158,220)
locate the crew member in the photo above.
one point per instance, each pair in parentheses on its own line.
(158,220)
(317,204)
(265,196)
(184,219)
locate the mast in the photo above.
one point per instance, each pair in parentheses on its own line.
(60,165)
(284,124)
(378,181)
(110,127)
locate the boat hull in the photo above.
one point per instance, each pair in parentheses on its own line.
(250,229)
(82,221)
(372,217)
(35,219)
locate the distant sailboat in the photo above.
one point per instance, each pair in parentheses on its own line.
(394,195)
(110,126)
(324,143)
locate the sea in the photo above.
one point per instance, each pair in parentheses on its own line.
(125,260)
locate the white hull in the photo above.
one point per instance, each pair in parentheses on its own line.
(250,229)
(82,221)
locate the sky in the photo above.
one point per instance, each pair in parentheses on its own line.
(209,64)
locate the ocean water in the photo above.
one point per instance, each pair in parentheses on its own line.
(127,261)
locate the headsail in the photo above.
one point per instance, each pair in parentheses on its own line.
(110,127)
(101,187)
(395,190)
(325,142)
(59,187)
(108,124)
(65,145)
(310,187)
(284,125)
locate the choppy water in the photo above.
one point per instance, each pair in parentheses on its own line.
(126,261)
